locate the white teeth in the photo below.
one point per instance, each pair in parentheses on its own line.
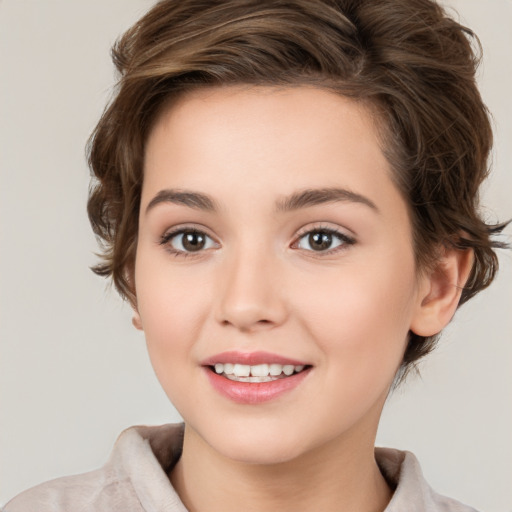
(256,373)
(242,370)
(260,370)
(250,379)
(288,369)
(276,369)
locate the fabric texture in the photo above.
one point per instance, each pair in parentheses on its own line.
(135,480)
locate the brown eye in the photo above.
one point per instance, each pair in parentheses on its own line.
(323,240)
(187,241)
(193,241)
(320,241)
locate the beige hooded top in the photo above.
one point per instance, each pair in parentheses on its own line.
(135,480)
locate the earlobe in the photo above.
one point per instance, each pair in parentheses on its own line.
(130,277)
(136,321)
(440,292)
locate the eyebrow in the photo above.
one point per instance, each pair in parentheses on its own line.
(301,199)
(194,200)
(316,196)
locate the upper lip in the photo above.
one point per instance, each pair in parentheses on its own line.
(250,358)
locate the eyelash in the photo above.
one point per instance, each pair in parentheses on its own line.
(344,240)
(167,237)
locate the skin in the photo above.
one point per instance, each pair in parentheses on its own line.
(258,285)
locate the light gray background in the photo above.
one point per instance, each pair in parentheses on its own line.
(73,371)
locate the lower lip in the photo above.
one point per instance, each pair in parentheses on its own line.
(254,392)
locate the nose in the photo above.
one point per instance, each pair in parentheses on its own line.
(251,294)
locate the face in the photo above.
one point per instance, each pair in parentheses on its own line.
(274,274)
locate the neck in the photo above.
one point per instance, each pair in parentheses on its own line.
(340,475)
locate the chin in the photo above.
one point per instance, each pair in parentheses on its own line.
(258,453)
(261,442)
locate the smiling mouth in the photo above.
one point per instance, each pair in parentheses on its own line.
(257,373)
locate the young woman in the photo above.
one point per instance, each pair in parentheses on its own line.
(287,195)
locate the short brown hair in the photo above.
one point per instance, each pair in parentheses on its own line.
(410,62)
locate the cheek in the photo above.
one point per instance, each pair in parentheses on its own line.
(170,318)
(172,309)
(361,321)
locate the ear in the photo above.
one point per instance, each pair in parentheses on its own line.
(136,321)
(440,290)
(132,299)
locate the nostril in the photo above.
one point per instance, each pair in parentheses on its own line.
(247,326)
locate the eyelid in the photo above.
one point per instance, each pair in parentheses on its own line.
(347,240)
(170,233)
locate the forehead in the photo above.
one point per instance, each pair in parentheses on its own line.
(243,117)
(253,140)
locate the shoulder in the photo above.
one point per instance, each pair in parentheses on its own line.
(94,491)
(402,471)
(136,472)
